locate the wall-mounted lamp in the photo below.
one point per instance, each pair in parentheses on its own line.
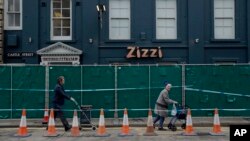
(100,8)
(197,40)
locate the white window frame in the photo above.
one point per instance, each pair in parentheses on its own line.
(52,26)
(6,16)
(121,18)
(174,17)
(233,36)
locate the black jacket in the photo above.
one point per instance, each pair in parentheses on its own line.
(60,95)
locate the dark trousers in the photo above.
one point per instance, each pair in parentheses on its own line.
(59,114)
(157,118)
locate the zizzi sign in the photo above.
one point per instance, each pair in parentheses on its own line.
(139,52)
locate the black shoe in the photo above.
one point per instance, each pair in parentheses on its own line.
(162,129)
(67,129)
(170,126)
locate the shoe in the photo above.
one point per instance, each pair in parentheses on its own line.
(67,129)
(170,126)
(162,129)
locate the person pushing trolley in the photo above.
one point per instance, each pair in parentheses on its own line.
(58,101)
(161,106)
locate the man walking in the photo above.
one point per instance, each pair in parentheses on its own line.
(58,101)
(161,106)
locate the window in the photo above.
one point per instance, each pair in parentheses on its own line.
(166,19)
(13,14)
(119,19)
(224,19)
(61,20)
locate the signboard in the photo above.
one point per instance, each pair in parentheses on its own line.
(61,59)
(20,54)
(139,52)
(45,60)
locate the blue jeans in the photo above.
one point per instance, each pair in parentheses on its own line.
(158,117)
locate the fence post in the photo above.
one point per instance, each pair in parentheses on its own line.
(11,93)
(116,120)
(149,86)
(46,87)
(183,85)
(81,86)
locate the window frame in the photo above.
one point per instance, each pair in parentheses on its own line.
(61,38)
(130,25)
(176,22)
(236,28)
(6,17)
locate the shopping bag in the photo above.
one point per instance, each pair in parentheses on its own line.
(174,110)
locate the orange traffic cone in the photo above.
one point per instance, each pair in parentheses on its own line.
(216,129)
(23,131)
(51,127)
(125,131)
(189,131)
(75,132)
(150,131)
(46,116)
(101,132)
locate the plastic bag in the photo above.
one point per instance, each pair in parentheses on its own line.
(174,110)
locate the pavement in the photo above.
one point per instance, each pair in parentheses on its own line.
(202,126)
(7,134)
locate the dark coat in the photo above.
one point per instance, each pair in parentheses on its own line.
(59,96)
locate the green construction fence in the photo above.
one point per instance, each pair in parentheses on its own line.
(135,87)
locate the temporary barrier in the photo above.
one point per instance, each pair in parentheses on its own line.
(189,131)
(75,131)
(23,131)
(101,131)
(150,131)
(116,87)
(125,130)
(52,132)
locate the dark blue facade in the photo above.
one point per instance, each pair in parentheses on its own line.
(195,21)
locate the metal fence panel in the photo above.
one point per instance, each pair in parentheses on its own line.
(215,87)
(99,88)
(133,86)
(28,88)
(136,87)
(5,92)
